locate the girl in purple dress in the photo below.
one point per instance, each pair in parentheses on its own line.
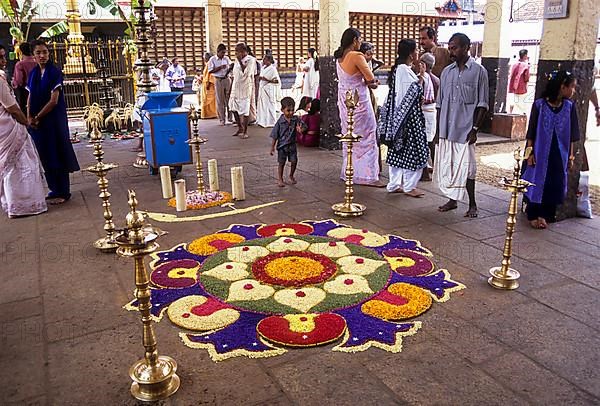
(553,131)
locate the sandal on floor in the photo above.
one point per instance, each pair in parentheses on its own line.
(447,207)
(415,193)
(56,200)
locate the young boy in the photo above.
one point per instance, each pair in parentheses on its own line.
(284,137)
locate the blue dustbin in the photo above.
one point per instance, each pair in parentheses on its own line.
(166,130)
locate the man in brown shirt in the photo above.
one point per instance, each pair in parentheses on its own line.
(427,40)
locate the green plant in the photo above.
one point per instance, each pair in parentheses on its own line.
(19,15)
(115,9)
(59,28)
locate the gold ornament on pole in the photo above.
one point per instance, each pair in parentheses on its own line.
(145,85)
(101,169)
(348,208)
(78,60)
(196,141)
(505,277)
(154,377)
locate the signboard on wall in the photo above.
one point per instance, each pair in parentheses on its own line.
(556,9)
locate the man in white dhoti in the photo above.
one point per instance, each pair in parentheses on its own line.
(427,61)
(242,89)
(462,103)
(269,94)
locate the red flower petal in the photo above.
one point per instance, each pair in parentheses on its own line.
(328,327)
(209,307)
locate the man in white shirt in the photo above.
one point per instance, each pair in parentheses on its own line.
(462,103)
(242,89)
(176,77)
(219,66)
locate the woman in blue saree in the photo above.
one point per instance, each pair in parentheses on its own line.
(47,116)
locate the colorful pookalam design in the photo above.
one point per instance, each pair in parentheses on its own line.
(195,200)
(255,290)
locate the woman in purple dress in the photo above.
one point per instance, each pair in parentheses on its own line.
(354,74)
(47,115)
(552,133)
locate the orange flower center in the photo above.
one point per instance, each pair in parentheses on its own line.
(293,268)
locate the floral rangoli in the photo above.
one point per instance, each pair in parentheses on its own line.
(253,290)
(195,200)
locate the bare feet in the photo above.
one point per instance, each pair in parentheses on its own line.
(472,212)
(244,136)
(374,184)
(56,200)
(542,222)
(450,205)
(292,180)
(415,193)
(535,224)
(280,183)
(399,190)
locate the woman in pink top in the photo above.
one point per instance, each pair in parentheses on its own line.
(354,74)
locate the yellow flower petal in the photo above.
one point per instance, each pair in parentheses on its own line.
(229,271)
(287,244)
(359,265)
(249,289)
(302,299)
(335,249)
(246,254)
(301,323)
(348,285)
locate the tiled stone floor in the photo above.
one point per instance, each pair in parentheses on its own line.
(65,340)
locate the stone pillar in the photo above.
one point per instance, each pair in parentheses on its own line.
(214,25)
(496,52)
(334,18)
(570,44)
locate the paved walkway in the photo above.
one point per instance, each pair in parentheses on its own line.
(65,339)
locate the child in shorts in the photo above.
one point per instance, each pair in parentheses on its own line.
(284,138)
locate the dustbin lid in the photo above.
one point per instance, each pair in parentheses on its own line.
(161,100)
